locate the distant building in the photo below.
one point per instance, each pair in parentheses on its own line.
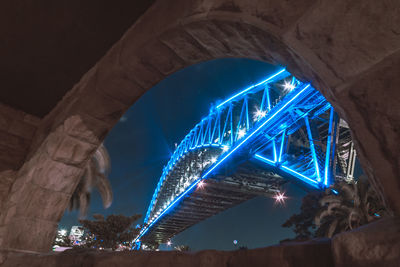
(76,234)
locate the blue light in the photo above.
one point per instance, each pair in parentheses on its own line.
(169,207)
(328,148)
(258,156)
(377,215)
(312,148)
(274,149)
(203,135)
(251,87)
(268,99)
(287,169)
(282,142)
(334,191)
(165,173)
(255,131)
(301,177)
(224,158)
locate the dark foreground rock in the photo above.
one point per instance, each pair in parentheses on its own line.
(309,254)
(375,244)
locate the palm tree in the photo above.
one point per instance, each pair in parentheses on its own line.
(355,204)
(94,176)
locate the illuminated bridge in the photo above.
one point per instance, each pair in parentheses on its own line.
(276,131)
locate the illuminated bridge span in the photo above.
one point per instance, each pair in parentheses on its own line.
(250,144)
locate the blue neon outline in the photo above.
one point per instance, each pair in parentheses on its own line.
(195,137)
(281,146)
(251,87)
(312,148)
(274,150)
(169,206)
(258,156)
(293,172)
(223,159)
(328,148)
(255,131)
(301,175)
(268,99)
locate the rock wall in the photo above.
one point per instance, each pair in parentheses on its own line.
(316,254)
(17,130)
(375,244)
(372,245)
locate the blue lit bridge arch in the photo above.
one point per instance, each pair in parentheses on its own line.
(278,130)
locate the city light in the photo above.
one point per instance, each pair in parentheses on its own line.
(169,243)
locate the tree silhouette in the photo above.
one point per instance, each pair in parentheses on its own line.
(111,232)
(355,204)
(325,214)
(303,223)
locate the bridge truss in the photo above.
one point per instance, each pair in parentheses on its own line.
(276,131)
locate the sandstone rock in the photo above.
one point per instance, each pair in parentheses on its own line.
(6,180)
(375,244)
(309,254)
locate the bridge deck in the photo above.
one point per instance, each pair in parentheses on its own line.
(218,194)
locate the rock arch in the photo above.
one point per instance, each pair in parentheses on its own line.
(338,46)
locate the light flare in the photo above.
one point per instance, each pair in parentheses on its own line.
(201,184)
(259,114)
(241,133)
(289,86)
(280,198)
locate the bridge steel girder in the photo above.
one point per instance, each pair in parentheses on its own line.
(210,169)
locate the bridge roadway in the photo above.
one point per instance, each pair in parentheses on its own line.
(216,194)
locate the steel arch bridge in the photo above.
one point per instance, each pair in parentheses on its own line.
(276,131)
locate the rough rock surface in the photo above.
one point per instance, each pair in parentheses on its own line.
(310,254)
(375,244)
(16,132)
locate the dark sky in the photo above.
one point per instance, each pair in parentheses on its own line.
(142,142)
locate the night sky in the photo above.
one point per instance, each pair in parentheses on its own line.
(144,139)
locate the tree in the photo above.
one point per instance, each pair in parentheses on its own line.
(111,232)
(94,176)
(303,223)
(344,206)
(355,204)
